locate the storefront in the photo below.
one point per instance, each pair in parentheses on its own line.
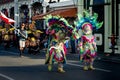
(68,12)
(66,9)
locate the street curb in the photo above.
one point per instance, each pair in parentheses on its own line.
(109,60)
(99,58)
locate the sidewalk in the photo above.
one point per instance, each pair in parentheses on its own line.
(107,57)
(100,56)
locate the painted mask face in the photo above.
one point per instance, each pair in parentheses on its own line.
(62,36)
(87,29)
(58,33)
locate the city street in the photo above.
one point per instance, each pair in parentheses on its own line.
(66,27)
(31,67)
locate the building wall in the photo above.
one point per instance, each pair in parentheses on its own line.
(98,7)
(108,26)
(17,4)
(111,27)
(119,29)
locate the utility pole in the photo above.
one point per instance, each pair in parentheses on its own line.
(44,4)
(86,4)
(16,15)
(30,11)
(80,6)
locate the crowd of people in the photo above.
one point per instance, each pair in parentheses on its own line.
(26,36)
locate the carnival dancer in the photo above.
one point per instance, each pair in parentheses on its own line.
(6,35)
(56,52)
(33,42)
(22,33)
(33,47)
(87,45)
(1,33)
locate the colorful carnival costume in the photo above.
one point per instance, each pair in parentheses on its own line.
(57,28)
(33,47)
(87,43)
(7,35)
(33,41)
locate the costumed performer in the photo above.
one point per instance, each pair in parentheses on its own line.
(56,52)
(87,44)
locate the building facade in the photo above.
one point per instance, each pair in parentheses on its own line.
(111,23)
(21,10)
(109,12)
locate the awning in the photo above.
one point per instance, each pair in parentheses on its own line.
(68,12)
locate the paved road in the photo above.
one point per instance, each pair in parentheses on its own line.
(31,67)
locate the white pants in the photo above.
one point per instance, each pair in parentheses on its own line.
(22,43)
